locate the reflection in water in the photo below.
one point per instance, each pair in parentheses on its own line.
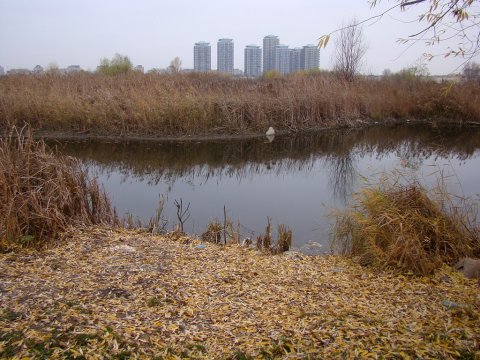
(288,179)
(342,175)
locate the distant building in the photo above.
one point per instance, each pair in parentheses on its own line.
(295,60)
(225,52)
(253,61)
(73,69)
(37,69)
(18,72)
(237,72)
(139,68)
(310,57)
(202,59)
(269,44)
(282,59)
(2,71)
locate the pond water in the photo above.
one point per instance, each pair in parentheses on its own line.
(295,179)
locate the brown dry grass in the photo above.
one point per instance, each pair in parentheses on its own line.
(43,193)
(181,104)
(265,242)
(393,225)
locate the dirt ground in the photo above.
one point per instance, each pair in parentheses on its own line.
(120,294)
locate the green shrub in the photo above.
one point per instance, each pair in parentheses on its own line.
(119,64)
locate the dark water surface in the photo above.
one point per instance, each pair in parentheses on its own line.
(295,180)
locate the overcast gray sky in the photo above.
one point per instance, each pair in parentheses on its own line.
(152,32)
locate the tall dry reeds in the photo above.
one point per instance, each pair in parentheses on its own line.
(194,104)
(406,227)
(43,193)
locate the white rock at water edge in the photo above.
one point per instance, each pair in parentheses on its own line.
(270,131)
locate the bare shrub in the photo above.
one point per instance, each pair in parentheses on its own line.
(471,72)
(349,50)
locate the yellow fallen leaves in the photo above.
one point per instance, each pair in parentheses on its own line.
(172,327)
(187,311)
(125,294)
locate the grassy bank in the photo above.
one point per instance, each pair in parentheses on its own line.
(199,104)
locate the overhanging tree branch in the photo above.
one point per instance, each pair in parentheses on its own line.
(438,26)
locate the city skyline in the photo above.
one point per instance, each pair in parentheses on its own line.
(153,33)
(276,57)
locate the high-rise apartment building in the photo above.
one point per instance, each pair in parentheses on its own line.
(282,59)
(269,44)
(202,59)
(310,57)
(225,56)
(253,61)
(295,60)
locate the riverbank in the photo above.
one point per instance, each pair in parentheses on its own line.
(128,294)
(248,135)
(210,106)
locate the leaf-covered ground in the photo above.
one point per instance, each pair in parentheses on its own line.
(125,294)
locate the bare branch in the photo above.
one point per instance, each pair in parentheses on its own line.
(444,20)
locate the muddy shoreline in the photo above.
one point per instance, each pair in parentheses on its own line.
(205,137)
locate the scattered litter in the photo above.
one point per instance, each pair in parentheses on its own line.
(293,254)
(451,304)
(123,248)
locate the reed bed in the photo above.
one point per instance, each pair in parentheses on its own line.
(196,104)
(407,228)
(43,193)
